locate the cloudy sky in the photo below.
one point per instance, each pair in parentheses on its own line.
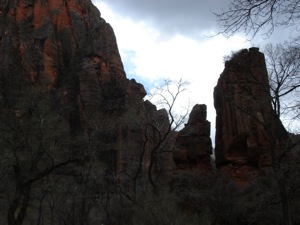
(173,39)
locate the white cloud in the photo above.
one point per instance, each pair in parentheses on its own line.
(171,16)
(150,55)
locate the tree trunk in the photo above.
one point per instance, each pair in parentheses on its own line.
(285,206)
(19,203)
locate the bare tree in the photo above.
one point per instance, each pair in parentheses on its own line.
(34,139)
(167,95)
(251,16)
(158,126)
(283,63)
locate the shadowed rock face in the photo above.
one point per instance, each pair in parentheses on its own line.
(193,143)
(66,49)
(55,43)
(69,50)
(245,118)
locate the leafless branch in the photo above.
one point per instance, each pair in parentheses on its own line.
(251,16)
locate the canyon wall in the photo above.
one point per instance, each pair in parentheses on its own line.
(79,144)
(78,141)
(72,125)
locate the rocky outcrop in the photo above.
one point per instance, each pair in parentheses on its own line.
(245,121)
(66,103)
(53,35)
(59,44)
(66,47)
(193,142)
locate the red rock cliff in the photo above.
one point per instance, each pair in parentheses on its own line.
(66,46)
(48,35)
(244,116)
(67,56)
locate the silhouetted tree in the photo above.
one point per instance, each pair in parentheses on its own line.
(250,16)
(34,139)
(283,64)
(160,131)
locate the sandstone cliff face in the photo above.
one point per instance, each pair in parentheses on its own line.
(66,47)
(193,143)
(47,36)
(245,120)
(76,122)
(62,43)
